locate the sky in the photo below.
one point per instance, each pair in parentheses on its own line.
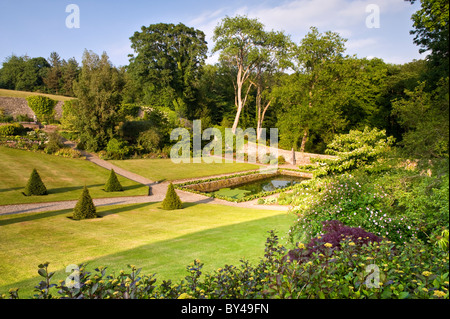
(38,27)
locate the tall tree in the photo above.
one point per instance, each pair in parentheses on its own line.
(239,41)
(431,34)
(98,93)
(167,62)
(53,78)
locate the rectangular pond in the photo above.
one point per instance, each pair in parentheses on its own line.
(268,184)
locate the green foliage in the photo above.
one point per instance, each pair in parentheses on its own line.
(54,143)
(35,186)
(42,106)
(410,271)
(113,184)
(11,129)
(150,140)
(84,209)
(23,73)
(117,149)
(418,113)
(354,150)
(171,201)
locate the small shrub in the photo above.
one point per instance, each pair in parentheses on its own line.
(281,160)
(171,201)
(35,186)
(54,143)
(85,208)
(117,149)
(68,152)
(113,184)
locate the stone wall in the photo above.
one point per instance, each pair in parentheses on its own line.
(18,106)
(301,158)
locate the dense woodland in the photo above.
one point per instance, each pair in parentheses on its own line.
(310,90)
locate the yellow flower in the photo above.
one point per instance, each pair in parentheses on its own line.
(369,258)
(425,289)
(301,245)
(328,245)
(351,243)
(426,273)
(185,296)
(439,294)
(88,282)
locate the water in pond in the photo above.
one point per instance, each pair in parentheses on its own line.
(262,185)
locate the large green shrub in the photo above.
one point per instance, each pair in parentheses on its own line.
(117,149)
(35,186)
(85,208)
(42,106)
(354,150)
(171,201)
(113,184)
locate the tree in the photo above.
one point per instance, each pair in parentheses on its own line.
(53,78)
(98,93)
(312,97)
(171,201)
(42,106)
(23,73)
(167,63)
(425,117)
(113,184)
(431,33)
(85,208)
(239,41)
(35,186)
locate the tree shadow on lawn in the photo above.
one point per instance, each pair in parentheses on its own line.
(3,190)
(69,189)
(179,251)
(101,214)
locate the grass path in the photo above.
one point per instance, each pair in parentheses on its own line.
(159,241)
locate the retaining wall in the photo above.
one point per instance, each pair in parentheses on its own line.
(19,106)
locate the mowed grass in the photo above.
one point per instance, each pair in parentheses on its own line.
(161,242)
(25,94)
(165,169)
(63,177)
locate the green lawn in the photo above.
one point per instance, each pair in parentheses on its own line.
(162,242)
(165,169)
(63,177)
(25,94)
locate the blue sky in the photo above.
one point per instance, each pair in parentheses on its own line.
(38,27)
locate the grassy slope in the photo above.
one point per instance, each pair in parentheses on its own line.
(24,94)
(165,169)
(63,177)
(162,242)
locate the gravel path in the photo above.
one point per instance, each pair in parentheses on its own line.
(158,192)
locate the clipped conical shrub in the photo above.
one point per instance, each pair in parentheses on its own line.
(171,201)
(113,184)
(85,208)
(35,186)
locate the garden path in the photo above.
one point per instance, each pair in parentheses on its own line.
(158,192)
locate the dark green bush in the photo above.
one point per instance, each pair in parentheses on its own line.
(35,186)
(171,201)
(11,129)
(113,184)
(84,209)
(54,143)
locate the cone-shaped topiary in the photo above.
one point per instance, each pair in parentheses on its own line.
(172,201)
(84,209)
(113,184)
(35,186)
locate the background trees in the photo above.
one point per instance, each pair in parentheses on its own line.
(167,63)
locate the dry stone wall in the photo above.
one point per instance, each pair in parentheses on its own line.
(19,106)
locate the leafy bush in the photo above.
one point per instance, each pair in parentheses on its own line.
(412,271)
(11,129)
(54,143)
(117,149)
(281,160)
(171,201)
(42,106)
(354,150)
(68,152)
(149,140)
(113,184)
(35,186)
(84,209)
